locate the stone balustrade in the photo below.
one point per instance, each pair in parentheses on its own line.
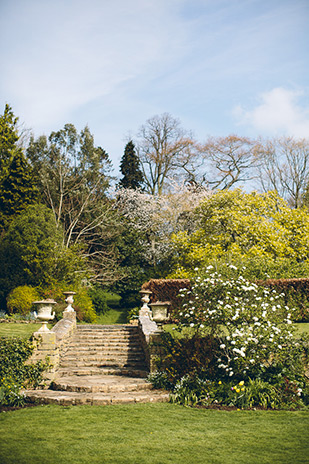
(150,337)
(49,345)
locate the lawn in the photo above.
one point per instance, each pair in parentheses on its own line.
(112,316)
(18,329)
(301,328)
(152,434)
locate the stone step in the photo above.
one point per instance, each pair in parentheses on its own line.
(102,384)
(133,333)
(102,358)
(121,362)
(106,331)
(104,342)
(76,351)
(100,371)
(112,350)
(107,327)
(104,363)
(66,398)
(99,355)
(82,342)
(106,335)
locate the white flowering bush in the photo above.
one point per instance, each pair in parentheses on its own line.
(251,322)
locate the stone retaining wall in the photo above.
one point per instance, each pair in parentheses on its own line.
(150,338)
(51,344)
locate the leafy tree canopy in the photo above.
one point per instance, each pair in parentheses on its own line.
(74,178)
(247,228)
(31,252)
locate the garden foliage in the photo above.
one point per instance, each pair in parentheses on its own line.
(15,373)
(20,300)
(252,340)
(258,231)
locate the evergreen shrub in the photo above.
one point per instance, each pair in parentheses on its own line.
(99,300)
(15,373)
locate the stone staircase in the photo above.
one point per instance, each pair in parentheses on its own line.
(102,365)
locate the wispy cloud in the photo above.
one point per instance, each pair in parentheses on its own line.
(279,111)
(72,53)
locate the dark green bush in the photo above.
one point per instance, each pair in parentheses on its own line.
(14,372)
(187,356)
(98,297)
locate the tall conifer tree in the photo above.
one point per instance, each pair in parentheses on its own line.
(130,168)
(18,189)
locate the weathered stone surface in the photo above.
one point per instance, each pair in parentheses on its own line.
(101,365)
(67,398)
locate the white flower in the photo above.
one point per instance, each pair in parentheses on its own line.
(222,346)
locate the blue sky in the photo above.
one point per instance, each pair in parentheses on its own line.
(221,66)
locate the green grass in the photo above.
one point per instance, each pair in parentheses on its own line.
(18,329)
(112,316)
(152,434)
(115,315)
(301,328)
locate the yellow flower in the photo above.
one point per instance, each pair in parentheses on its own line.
(243,389)
(241,383)
(237,390)
(219,382)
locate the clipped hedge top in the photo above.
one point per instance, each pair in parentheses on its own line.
(299,284)
(166,289)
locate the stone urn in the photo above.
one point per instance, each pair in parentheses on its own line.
(145,311)
(69,299)
(159,311)
(44,312)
